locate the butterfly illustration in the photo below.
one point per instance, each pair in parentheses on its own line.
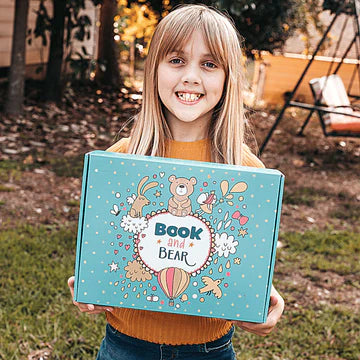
(115,210)
(242,218)
(152,298)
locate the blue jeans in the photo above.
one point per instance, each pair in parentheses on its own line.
(118,346)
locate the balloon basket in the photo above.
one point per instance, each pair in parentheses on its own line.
(171,303)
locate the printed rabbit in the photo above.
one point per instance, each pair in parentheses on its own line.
(139,201)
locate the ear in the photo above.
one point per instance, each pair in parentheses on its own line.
(193,180)
(172,178)
(149,186)
(141,183)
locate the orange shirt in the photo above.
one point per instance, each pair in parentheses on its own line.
(167,328)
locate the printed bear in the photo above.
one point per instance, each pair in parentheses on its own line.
(181,188)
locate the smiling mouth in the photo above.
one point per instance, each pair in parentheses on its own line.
(188,97)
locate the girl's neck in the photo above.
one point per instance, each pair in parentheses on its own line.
(189,132)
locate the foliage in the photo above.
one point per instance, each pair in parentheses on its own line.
(334,5)
(135,21)
(265,25)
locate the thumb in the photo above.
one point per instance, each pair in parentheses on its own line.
(70,282)
(273,300)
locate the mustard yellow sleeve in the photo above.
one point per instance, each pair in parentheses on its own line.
(120,146)
(249,159)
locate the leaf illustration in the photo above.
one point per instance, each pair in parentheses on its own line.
(224,186)
(239,187)
(227,224)
(230,203)
(229,196)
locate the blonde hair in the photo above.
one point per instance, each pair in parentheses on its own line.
(226,130)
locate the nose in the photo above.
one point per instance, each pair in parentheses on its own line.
(191,75)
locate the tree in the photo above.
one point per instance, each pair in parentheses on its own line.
(15,99)
(108,68)
(265,25)
(136,22)
(348,6)
(56,52)
(65,24)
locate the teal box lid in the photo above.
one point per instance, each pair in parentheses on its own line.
(177,236)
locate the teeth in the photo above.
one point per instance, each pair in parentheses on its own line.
(188,97)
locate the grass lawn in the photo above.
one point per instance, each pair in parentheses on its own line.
(37,315)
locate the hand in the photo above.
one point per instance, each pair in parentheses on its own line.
(88,308)
(275,310)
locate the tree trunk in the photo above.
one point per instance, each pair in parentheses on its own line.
(15,99)
(108,68)
(53,84)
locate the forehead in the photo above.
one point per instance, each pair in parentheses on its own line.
(194,45)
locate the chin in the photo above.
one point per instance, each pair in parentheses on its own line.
(188,119)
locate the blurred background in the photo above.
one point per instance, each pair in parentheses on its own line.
(71,78)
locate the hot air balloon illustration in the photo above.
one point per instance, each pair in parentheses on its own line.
(173,282)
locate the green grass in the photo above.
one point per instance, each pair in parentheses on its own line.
(4,188)
(305,196)
(305,334)
(36,309)
(73,203)
(347,211)
(67,166)
(35,302)
(71,166)
(10,169)
(337,251)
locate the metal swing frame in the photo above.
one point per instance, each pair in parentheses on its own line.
(317,106)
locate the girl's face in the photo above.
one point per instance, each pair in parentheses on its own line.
(190,85)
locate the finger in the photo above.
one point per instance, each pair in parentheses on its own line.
(71,282)
(276,311)
(104,308)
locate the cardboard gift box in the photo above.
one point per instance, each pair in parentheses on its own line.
(177,236)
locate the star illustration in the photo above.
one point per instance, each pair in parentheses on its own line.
(114,266)
(237,261)
(191,244)
(242,232)
(158,193)
(159,241)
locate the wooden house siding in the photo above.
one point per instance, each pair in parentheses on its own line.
(36,53)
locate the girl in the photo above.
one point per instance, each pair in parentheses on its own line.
(192,109)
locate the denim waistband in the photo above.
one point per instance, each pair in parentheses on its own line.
(205,347)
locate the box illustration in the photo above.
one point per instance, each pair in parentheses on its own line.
(177,236)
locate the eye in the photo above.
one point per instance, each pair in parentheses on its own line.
(210,65)
(176,61)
